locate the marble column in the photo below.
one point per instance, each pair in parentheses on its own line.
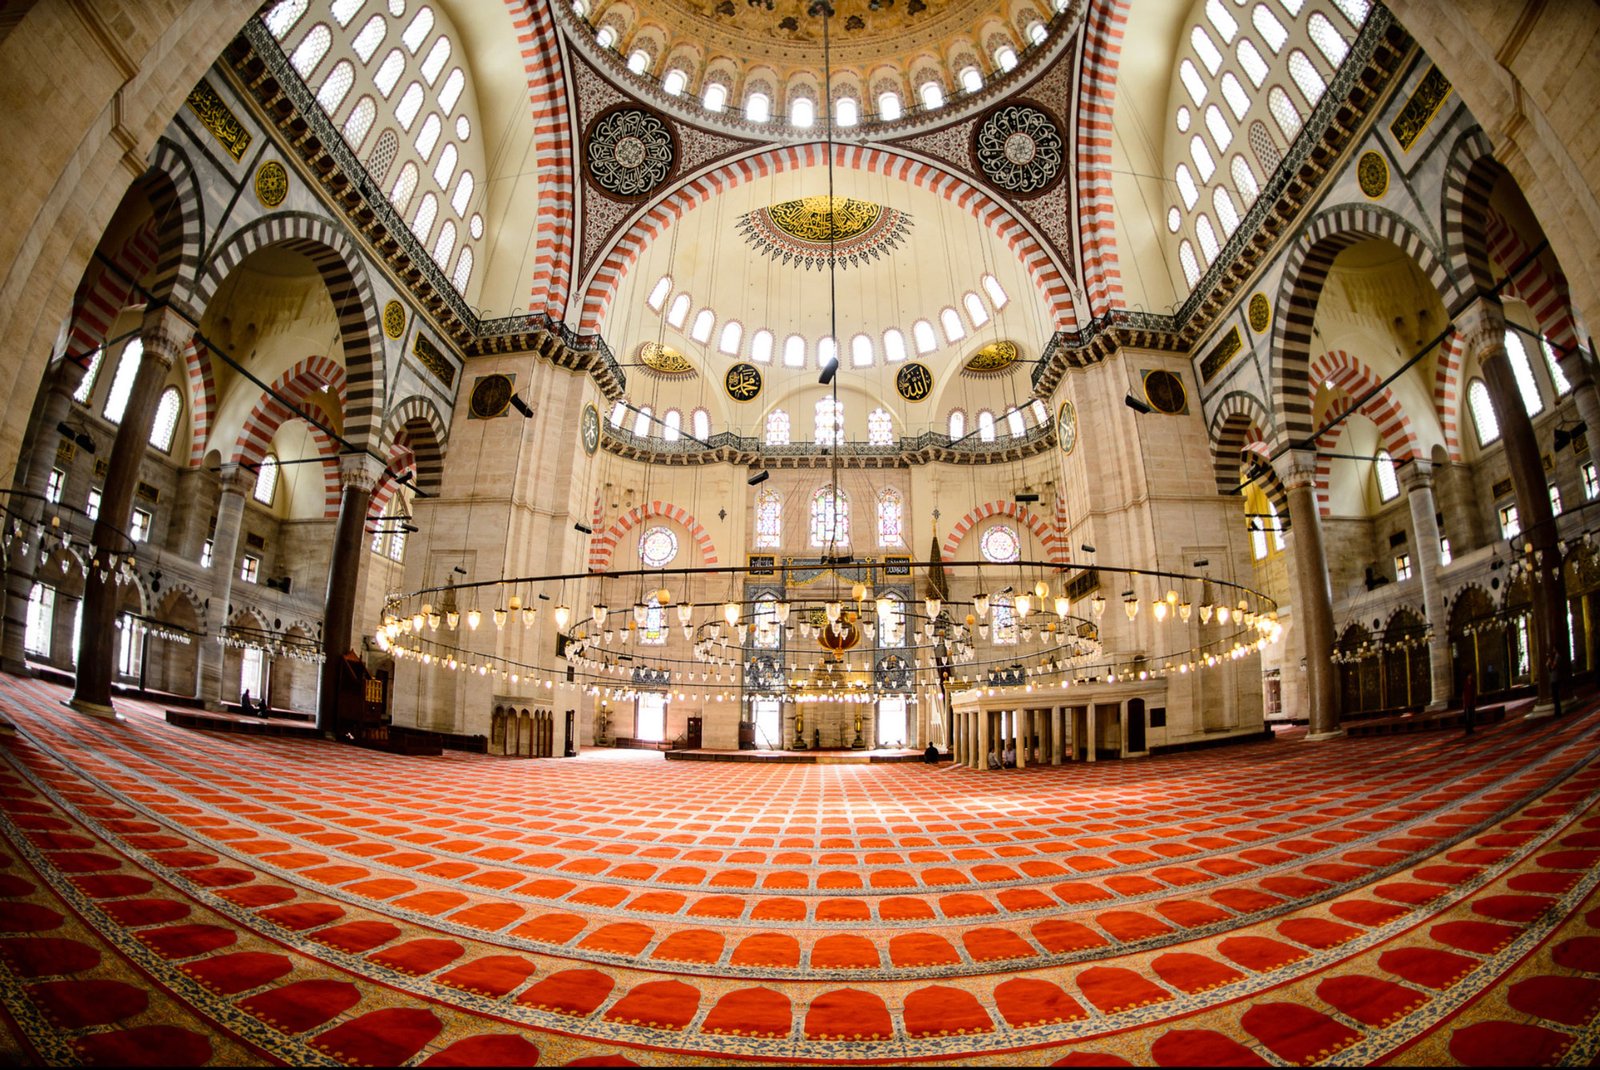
(1089,731)
(1578,367)
(237,483)
(1313,606)
(1483,327)
(1057,735)
(1122,729)
(34,476)
(1417,478)
(164,335)
(981,759)
(1020,725)
(358,474)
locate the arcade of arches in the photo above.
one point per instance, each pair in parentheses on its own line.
(587,379)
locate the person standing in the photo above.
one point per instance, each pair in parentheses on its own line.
(1469,702)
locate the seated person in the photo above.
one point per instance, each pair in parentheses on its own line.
(246,707)
(1010,757)
(994,761)
(931,755)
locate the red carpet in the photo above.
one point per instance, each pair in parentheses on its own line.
(171,897)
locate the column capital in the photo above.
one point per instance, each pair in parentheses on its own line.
(1297,468)
(359,470)
(237,479)
(1482,325)
(164,334)
(1416,476)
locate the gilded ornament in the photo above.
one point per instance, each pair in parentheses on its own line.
(272,184)
(436,362)
(394,319)
(1067,427)
(664,359)
(743,382)
(491,396)
(1164,391)
(994,357)
(1372,174)
(1423,104)
(590,429)
(215,115)
(914,381)
(1227,347)
(1260,312)
(797,232)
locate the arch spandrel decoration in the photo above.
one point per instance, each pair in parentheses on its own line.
(603,545)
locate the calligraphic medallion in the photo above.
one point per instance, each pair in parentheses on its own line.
(394,319)
(743,382)
(1372,174)
(1067,427)
(1164,391)
(914,381)
(1020,149)
(1260,314)
(272,184)
(491,396)
(591,429)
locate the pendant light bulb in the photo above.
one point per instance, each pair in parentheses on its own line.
(453,619)
(1040,590)
(563,616)
(859,591)
(1160,611)
(640,613)
(1131,607)
(1205,612)
(1097,605)
(980,605)
(685,613)
(1024,605)
(1223,612)
(730,612)
(528,614)
(499,618)
(833,609)
(474,618)
(1063,607)
(782,611)
(933,605)
(1184,609)
(599,609)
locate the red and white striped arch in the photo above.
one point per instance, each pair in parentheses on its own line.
(332,489)
(1052,542)
(554,165)
(602,286)
(1103,27)
(1354,379)
(105,292)
(202,396)
(603,544)
(297,384)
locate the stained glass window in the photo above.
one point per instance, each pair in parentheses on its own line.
(657,547)
(769,519)
(654,632)
(880,428)
(777,428)
(830,518)
(829,422)
(1003,620)
(891,518)
(1000,544)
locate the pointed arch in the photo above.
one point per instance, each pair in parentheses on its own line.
(297,384)
(604,544)
(1104,26)
(1049,276)
(554,165)
(175,198)
(1053,544)
(202,397)
(1240,419)
(334,254)
(1469,177)
(1351,375)
(1305,271)
(105,290)
(415,436)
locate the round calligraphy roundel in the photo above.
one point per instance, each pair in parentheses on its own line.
(591,429)
(1020,149)
(630,152)
(743,382)
(914,381)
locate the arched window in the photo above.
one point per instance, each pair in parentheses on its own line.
(1227,215)
(794,352)
(1208,237)
(1354,10)
(463,273)
(1306,78)
(769,516)
(975,310)
(371,36)
(671,425)
(1221,132)
(1191,266)
(166,422)
(922,334)
(428,136)
(1527,386)
(880,428)
(642,422)
(827,352)
(1221,20)
(1255,68)
(86,387)
(438,56)
(336,86)
(1005,57)
(705,321)
(122,383)
(1388,485)
(1014,423)
(410,104)
(985,425)
(1186,186)
(675,82)
(1003,620)
(445,169)
(830,517)
(1327,39)
(802,113)
(1483,418)
(757,107)
(761,347)
(463,194)
(950,320)
(715,97)
(638,61)
(654,632)
(1558,378)
(605,37)
(732,335)
(281,19)
(931,95)
(266,480)
(678,314)
(1262,145)
(618,411)
(958,424)
(829,424)
(892,626)
(417,32)
(1041,415)
(1244,180)
(389,72)
(422,222)
(777,428)
(1206,49)
(1189,75)
(861,351)
(846,112)
(702,424)
(894,345)
(1202,158)
(888,106)
(765,631)
(1284,112)
(313,46)
(1234,93)
(659,292)
(451,92)
(997,293)
(359,123)
(971,79)
(1037,33)
(1268,26)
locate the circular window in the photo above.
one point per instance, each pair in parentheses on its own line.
(1000,545)
(1174,220)
(463,127)
(657,547)
(476,225)
(1183,120)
